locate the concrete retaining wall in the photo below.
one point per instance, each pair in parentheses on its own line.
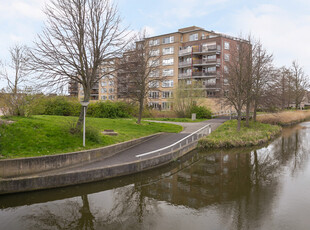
(44,182)
(25,166)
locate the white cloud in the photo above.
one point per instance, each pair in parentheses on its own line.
(282,32)
(31,9)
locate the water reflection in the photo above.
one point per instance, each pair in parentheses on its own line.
(226,189)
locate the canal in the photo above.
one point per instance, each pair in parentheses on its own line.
(263,188)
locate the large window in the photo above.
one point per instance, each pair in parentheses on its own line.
(167,84)
(167,94)
(168,50)
(193,37)
(226,45)
(154,42)
(167,40)
(226,57)
(154,73)
(154,84)
(154,53)
(166,105)
(168,61)
(103,83)
(153,63)
(103,90)
(111,90)
(211,69)
(103,98)
(167,72)
(154,94)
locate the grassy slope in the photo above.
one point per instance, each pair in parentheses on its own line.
(175,119)
(227,136)
(43,135)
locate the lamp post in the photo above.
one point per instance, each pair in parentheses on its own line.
(84,104)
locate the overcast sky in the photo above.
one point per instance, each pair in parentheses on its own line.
(283,26)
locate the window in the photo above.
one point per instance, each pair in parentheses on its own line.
(226,57)
(154,42)
(103,90)
(104,98)
(167,72)
(226,45)
(154,105)
(225,69)
(154,53)
(167,94)
(166,105)
(154,84)
(168,61)
(210,93)
(167,40)
(103,83)
(211,57)
(188,82)
(168,50)
(167,83)
(210,82)
(211,69)
(111,97)
(111,83)
(193,37)
(154,94)
(154,73)
(153,63)
(111,90)
(226,81)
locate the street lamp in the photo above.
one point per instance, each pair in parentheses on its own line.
(84,104)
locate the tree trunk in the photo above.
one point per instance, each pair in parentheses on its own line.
(140,112)
(239,120)
(255,110)
(79,123)
(247,115)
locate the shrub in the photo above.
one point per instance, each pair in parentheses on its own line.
(201,112)
(61,106)
(110,109)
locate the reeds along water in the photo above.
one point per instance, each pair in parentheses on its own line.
(284,118)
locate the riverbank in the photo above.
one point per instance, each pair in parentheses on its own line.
(284,118)
(48,135)
(226,136)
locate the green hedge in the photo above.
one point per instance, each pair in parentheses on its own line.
(65,106)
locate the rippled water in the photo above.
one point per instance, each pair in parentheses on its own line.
(264,188)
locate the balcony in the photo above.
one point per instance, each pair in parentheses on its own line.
(201,62)
(200,50)
(198,74)
(213,86)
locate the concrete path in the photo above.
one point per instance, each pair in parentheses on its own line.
(129,155)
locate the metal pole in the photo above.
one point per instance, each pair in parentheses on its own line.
(84,127)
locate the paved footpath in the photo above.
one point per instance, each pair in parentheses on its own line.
(129,155)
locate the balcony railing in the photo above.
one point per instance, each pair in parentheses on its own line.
(200,49)
(198,74)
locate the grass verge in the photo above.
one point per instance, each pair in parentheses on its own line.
(45,135)
(226,135)
(175,119)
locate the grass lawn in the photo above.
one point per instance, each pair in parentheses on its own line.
(175,119)
(227,136)
(44,135)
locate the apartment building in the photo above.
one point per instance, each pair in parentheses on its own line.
(190,54)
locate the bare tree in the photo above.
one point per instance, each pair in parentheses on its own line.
(78,37)
(262,70)
(139,72)
(300,83)
(237,75)
(15,74)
